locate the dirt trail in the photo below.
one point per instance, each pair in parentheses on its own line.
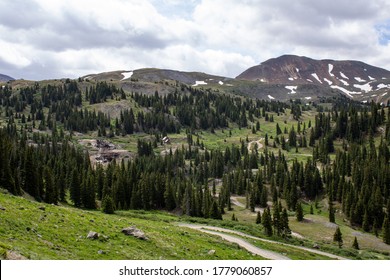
(252,143)
(241,242)
(265,253)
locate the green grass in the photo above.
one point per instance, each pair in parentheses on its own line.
(290,252)
(59,232)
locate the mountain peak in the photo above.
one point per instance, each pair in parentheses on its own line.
(355,79)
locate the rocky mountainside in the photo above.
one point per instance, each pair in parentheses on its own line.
(155,75)
(5,78)
(355,79)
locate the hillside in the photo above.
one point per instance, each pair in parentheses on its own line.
(355,79)
(5,78)
(283,78)
(140,143)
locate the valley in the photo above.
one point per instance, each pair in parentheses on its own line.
(199,163)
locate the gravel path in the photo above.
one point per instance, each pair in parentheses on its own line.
(237,240)
(226,234)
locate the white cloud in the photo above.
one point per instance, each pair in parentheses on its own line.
(43,38)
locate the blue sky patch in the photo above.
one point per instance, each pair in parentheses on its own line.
(383,30)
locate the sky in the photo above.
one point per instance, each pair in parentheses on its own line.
(47,39)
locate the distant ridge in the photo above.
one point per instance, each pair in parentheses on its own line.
(5,78)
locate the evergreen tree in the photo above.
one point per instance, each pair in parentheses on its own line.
(267,222)
(215,213)
(337,237)
(331,212)
(299,212)
(258,218)
(355,244)
(285,228)
(75,188)
(386,230)
(108,205)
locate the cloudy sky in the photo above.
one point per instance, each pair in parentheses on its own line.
(42,39)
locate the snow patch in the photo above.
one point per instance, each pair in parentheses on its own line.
(364,101)
(270,97)
(229,85)
(344,82)
(380,86)
(347,92)
(220,82)
(360,80)
(197,83)
(374,95)
(384,94)
(371,78)
(316,77)
(291,79)
(309,80)
(328,81)
(297,69)
(330,68)
(343,75)
(308,98)
(365,87)
(127,75)
(292,89)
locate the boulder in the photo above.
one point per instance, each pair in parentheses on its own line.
(316,246)
(93,235)
(133,231)
(211,252)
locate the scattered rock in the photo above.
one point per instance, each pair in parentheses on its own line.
(2,208)
(211,252)
(39,236)
(101,252)
(133,231)
(104,238)
(12,255)
(93,235)
(92,221)
(316,246)
(43,208)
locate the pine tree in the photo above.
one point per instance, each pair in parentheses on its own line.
(267,222)
(285,228)
(258,218)
(276,220)
(108,205)
(366,222)
(299,212)
(331,213)
(75,188)
(215,212)
(338,237)
(386,230)
(355,244)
